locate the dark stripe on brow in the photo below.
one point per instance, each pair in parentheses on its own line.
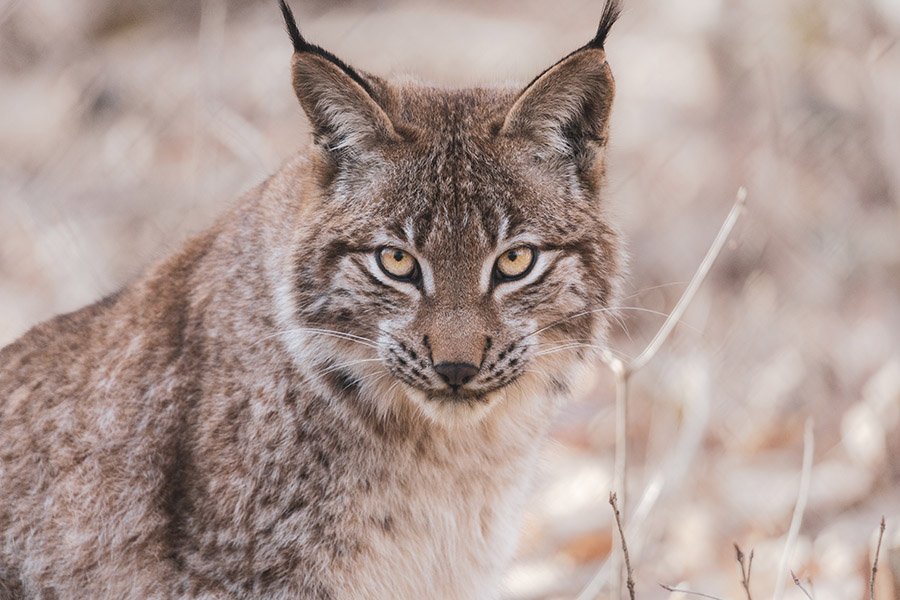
(579,247)
(423,224)
(515,225)
(333,251)
(398,230)
(338,248)
(490,224)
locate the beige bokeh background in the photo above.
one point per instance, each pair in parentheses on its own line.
(126,127)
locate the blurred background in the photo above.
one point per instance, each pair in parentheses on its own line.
(127,126)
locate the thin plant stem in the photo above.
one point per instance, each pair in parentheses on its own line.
(799,508)
(875,562)
(746,567)
(714,250)
(629,572)
(675,590)
(800,585)
(620,472)
(623,372)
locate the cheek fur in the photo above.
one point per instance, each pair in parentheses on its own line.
(351,296)
(561,292)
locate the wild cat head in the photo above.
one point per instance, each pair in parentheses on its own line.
(457,247)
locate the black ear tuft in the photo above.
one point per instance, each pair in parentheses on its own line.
(346,113)
(610,15)
(564,112)
(299,43)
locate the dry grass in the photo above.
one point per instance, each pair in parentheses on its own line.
(125,127)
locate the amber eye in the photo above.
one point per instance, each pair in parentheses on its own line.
(515,263)
(397,263)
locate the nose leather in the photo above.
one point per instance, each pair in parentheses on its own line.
(456,374)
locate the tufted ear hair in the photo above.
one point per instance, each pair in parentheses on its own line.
(343,105)
(565,110)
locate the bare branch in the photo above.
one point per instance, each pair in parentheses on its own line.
(800,585)
(745,569)
(628,570)
(669,588)
(799,508)
(747,578)
(659,339)
(623,371)
(620,469)
(875,562)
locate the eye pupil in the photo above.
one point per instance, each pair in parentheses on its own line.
(512,256)
(398,255)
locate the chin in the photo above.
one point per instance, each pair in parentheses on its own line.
(453,410)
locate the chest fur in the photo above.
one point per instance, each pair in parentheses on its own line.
(322,501)
(440,531)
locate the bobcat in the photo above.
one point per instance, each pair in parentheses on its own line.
(339,390)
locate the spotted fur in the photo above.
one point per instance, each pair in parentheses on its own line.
(260,416)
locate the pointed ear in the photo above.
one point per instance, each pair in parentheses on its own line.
(341,107)
(565,110)
(342,104)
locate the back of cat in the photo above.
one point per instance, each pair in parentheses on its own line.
(80,416)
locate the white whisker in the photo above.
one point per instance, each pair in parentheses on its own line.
(379,375)
(610,310)
(363,341)
(347,364)
(637,293)
(575,345)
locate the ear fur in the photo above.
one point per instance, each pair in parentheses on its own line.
(341,103)
(344,115)
(565,110)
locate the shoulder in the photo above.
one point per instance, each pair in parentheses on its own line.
(52,351)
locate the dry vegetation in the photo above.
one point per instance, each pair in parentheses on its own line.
(126,126)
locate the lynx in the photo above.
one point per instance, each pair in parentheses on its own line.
(339,390)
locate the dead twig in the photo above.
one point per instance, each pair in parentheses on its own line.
(799,508)
(746,565)
(669,588)
(628,570)
(800,585)
(746,562)
(620,464)
(696,281)
(623,372)
(875,561)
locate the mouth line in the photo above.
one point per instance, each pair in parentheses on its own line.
(457,397)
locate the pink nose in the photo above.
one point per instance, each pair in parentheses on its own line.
(456,374)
